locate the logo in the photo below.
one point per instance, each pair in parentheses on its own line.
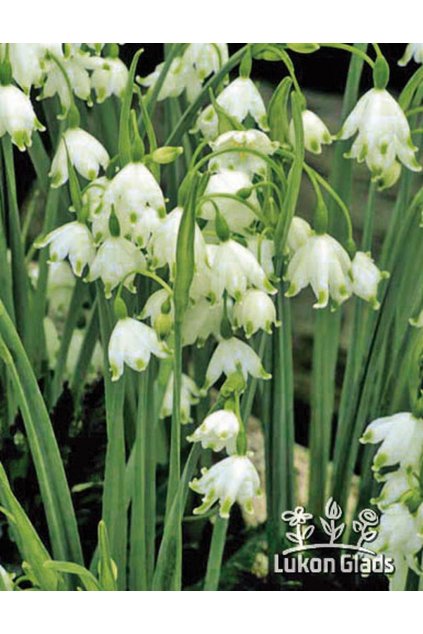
(333,555)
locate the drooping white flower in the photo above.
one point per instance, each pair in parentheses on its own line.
(324,264)
(398,532)
(109,77)
(190,395)
(233,355)
(383,133)
(201,320)
(239,99)
(401,436)
(17,116)
(153,306)
(137,200)
(162,246)
(414,51)
(28,62)
(231,480)
(189,71)
(75,66)
(255,311)
(72,240)
(218,431)
(201,61)
(6,580)
(239,159)
(395,484)
(85,153)
(238,214)
(133,343)
(117,259)
(175,80)
(316,133)
(263,250)
(298,233)
(366,278)
(235,269)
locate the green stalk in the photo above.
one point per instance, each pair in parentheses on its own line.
(143,493)
(114,499)
(42,442)
(217,546)
(281,431)
(70,325)
(19,273)
(327,324)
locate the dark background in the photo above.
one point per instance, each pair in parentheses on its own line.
(324,70)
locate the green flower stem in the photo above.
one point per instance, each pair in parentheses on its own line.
(71,321)
(327,324)
(217,546)
(143,513)
(19,273)
(45,453)
(89,342)
(168,559)
(354,50)
(114,500)
(280,429)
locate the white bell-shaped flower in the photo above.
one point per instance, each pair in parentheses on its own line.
(239,159)
(316,133)
(401,436)
(137,200)
(28,62)
(412,51)
(298,233)
(189,71)
(395,484)
(75,66)
(116,260)
(218,431)
(234,479)
(238,214)
(239,99)
(383,133)
(235,269)
(190,395)
(324,264)
(17,116)
(233,355)
(72,240)
(398,532)
(366,278)
(109,77)
(174,82)
(85,153)
(153,306)
(133,343)
(201,320)
(162,246)
(255,311)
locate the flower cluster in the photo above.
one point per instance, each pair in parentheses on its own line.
(397,466)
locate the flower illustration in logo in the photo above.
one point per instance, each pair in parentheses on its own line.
(332,510)
(365,526)
(296,517)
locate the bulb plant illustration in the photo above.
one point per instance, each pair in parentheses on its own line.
(165,264)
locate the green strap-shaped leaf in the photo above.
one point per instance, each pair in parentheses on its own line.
(43,445)
(29,543)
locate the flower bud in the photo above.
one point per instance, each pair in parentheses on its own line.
(167,154)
